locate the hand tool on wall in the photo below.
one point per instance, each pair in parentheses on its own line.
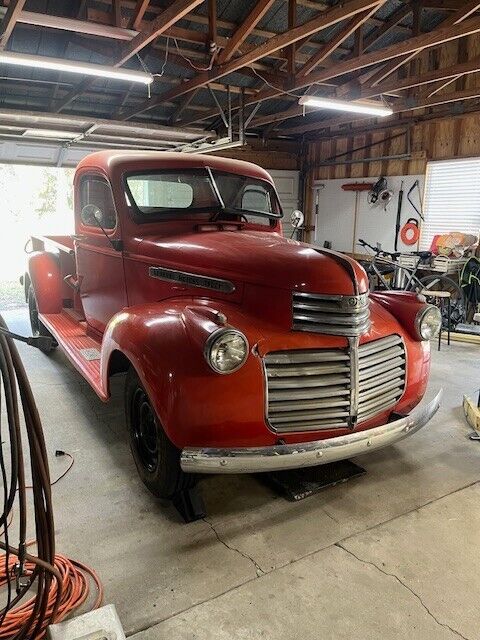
(399,215)
(357,187)
(416,185)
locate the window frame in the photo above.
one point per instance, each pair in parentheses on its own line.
(92,228)
(169,214)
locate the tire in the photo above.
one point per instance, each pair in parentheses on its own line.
(457,300)
(156,458)
(38,328)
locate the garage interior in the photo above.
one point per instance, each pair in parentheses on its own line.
(392,553)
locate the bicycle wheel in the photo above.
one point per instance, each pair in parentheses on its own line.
(457,299)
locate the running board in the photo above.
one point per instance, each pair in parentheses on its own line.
(82,350)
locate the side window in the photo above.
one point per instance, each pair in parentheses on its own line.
(256,198)
(96,203)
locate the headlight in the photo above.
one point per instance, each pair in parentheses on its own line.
(226,350)
(428,322)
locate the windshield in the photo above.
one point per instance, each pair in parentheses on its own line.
(220,195)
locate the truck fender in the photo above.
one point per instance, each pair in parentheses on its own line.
(45,276)
(163,341)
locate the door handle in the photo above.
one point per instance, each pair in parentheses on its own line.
(79,236)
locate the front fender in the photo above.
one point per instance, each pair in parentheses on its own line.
(164,343)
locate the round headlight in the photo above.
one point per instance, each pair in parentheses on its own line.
(226,350)
(428,322)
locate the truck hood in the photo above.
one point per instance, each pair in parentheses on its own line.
(257,257)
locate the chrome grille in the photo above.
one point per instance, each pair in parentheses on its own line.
(381,376)
(337,315)
(311,390)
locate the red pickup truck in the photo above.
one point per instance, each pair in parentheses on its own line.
(244,351)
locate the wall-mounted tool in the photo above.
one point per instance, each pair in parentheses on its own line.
(410,232)
(399,216)
(416,185)
(357,187)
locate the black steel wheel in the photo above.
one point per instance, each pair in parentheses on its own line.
(38,328)
(156,458)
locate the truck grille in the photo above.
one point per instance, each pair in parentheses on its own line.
(337,315)
(311,390)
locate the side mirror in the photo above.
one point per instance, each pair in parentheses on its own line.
(297,219)
(91,215)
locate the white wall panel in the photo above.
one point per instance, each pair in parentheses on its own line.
(335,222)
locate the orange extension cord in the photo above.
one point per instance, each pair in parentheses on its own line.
(75,591)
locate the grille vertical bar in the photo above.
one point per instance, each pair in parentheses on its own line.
(311,390)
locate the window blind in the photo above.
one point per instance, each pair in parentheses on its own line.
(452,199)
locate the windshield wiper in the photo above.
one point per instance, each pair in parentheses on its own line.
(217,193)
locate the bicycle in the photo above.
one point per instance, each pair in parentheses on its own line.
(391,276)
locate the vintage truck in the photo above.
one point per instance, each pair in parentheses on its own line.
(244,351)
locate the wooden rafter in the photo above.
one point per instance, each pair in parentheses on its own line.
(397,51)
(389,24)
(138,13)
(335,42)
(162,23)
(212,23)
(9,21)
(326,19)
(244,30)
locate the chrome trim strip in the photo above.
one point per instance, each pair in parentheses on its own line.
(191,279)
(306,454)
(353,345)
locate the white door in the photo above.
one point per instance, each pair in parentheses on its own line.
(287,183)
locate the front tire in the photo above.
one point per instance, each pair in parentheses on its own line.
(156,458)
(38,328)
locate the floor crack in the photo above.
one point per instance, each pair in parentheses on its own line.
(258,569)
(405,586)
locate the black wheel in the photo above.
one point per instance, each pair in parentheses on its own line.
(457,299)
(38,328)
(156,458)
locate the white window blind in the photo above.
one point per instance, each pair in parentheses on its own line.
(452,199)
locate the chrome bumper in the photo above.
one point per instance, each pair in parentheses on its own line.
(306,454)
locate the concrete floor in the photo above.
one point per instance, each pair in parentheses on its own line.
(394,554)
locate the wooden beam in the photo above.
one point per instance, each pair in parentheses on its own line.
(244,30)
(212,24)
(9,21)
(291,50)
(335,42)
(153,29)
(117,13)
(138,13)
(175,12)
(465,10)
(396,17)
(330,17)
(400,50)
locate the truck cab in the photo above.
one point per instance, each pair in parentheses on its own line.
(244,350)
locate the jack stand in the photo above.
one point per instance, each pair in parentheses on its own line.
(189,504)
(297,484)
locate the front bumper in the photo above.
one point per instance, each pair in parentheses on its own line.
(306,454)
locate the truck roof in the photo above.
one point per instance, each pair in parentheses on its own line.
(112,162)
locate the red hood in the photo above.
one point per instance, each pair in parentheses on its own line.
(258,257)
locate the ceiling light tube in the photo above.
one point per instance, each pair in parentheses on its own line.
(72,66)
(366,107)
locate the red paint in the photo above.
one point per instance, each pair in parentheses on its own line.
(161,327)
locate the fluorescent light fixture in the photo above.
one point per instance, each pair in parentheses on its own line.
(368,107)
(72,66)
(51,133)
